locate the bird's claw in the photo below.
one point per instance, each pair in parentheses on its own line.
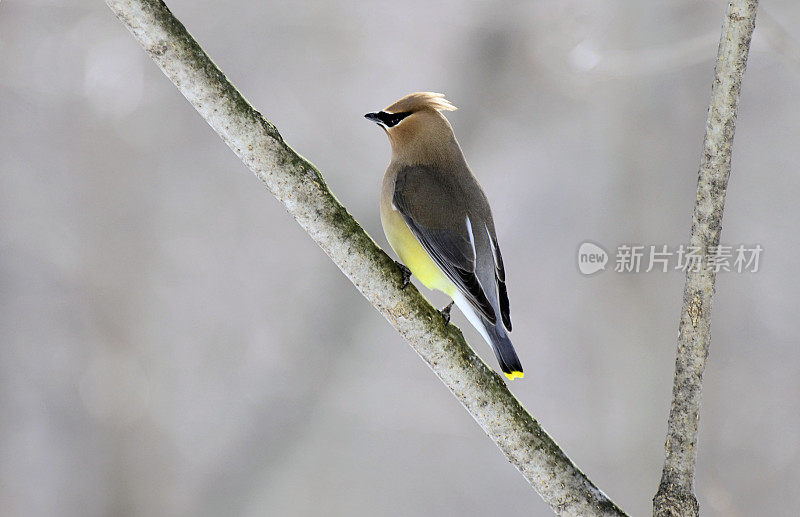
(445,312)
(406,278)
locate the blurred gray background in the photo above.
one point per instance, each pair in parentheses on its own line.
(172,343)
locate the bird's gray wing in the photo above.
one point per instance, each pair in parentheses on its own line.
(500,276)
(436,210)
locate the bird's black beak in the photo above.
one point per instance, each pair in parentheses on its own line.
(372,116)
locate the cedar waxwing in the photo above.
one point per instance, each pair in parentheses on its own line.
(437,219)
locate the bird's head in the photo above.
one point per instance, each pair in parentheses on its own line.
(413,116)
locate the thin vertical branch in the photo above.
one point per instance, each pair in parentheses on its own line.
(675,496)
(302,190)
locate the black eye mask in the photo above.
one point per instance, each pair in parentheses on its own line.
(391,119)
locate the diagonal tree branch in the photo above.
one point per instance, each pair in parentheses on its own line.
(675,496)
(301,188)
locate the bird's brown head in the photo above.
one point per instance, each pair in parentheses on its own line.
(413,118)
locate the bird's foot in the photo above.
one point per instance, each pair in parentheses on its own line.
(406,279)
(445,312)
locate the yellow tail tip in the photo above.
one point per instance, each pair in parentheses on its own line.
(514,375)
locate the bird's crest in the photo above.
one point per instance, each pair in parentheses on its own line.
(419,101)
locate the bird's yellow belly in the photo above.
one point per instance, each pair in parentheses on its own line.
(413,254)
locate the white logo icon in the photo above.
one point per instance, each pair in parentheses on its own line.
(591,258)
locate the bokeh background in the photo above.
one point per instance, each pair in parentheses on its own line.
(172,343)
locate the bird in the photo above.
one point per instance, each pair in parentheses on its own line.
(437,219)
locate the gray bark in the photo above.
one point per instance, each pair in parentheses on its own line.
(675,496)
(302,190)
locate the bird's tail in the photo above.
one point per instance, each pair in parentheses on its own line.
(503,349)
(495,335)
